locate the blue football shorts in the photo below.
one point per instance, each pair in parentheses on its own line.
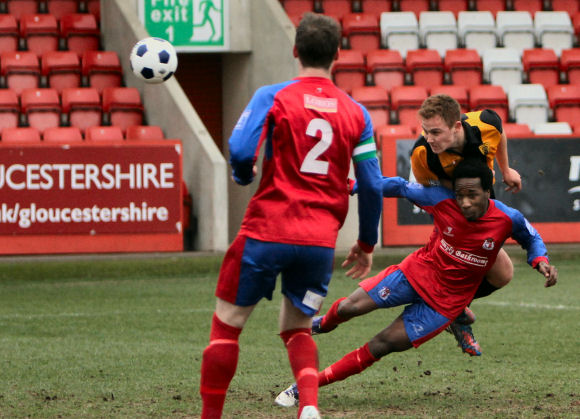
(390,288)
(250,268)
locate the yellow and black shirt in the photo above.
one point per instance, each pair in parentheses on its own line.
(483,131)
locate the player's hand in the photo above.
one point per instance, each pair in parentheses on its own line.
(363,262)
(512,180)
(550,273)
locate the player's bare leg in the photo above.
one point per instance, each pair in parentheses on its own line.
(303,355)
(344,309)
(220,357)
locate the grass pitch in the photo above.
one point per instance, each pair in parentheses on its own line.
(123,337)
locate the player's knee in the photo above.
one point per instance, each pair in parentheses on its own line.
(347,309)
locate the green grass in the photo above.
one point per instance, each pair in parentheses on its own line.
(123,338)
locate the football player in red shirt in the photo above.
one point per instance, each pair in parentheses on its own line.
(312,131)
(437,281)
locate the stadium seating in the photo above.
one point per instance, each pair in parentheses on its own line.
(489,97)
(376,6)
(414,6)
(541,65)
(59,8)
(502,66)
(554,30)
(570,65)
(564,101)
(362,31)
(376,100)
(19,8)
(21,135)
(82,107)
(569,6)
(386,67)
(438,30)
(531,6)
(493,6)
(298,7)
(454,6)
(8,33)
(80,32)
(9,109)
(400,31)
(122,106)
(94,8)
(459,93)
(61,69)
(62,135)
(553,128)
(338,8)
(102,69)
(405,101)
(464,67)
(41,108)
(425,66)
(387,133)
(349,71)
(20,69)
(515,30)
(515,130)
(528,104)
(476,30)
(144,133)
(104,133)
(40,33)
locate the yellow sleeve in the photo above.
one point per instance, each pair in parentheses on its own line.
(420,169)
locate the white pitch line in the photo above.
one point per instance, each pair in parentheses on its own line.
(528,305)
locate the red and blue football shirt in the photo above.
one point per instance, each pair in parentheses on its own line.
(311,130)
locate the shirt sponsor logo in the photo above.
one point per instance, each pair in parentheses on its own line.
(312,300)
(243,119)
(321,104)
(488,244)
(384,293)
(463,256)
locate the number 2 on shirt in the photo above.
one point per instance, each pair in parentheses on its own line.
(310,163)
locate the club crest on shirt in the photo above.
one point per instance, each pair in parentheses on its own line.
(449,231)
(484,149)
(384,293)
(488,244)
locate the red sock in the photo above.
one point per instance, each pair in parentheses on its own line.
(218,367)
(350,364)
(331,319)
(303,357)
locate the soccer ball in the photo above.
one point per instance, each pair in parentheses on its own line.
(153,60)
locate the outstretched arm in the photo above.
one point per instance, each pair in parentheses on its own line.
(550,273)
(510,176)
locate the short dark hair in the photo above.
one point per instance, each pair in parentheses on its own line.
(317,40)
(474,168)
(443,105)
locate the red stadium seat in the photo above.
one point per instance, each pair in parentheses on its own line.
(459,93)
(489,97)
(493,6)
(454,6)
(337,8)
(144,132)
(298,7)
(405,101)
(514,130)
(415,6)
(387,67)
(94,8)
(362,31)
(570,64)
(464,67)
(542,66)
(123,106)
(81,32)
(41,108)
(426,67)
(21,70)
(19,8)
(570,6)
(61,69)
(59,8)
(531,6)
(376,7)
(102,69)
(565,102)
(9,109)
(104,133)
(349,70)
(40,32)
(8,33)
(82,106)
(62,135)
(376,100)
(20,135)
(387,133)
